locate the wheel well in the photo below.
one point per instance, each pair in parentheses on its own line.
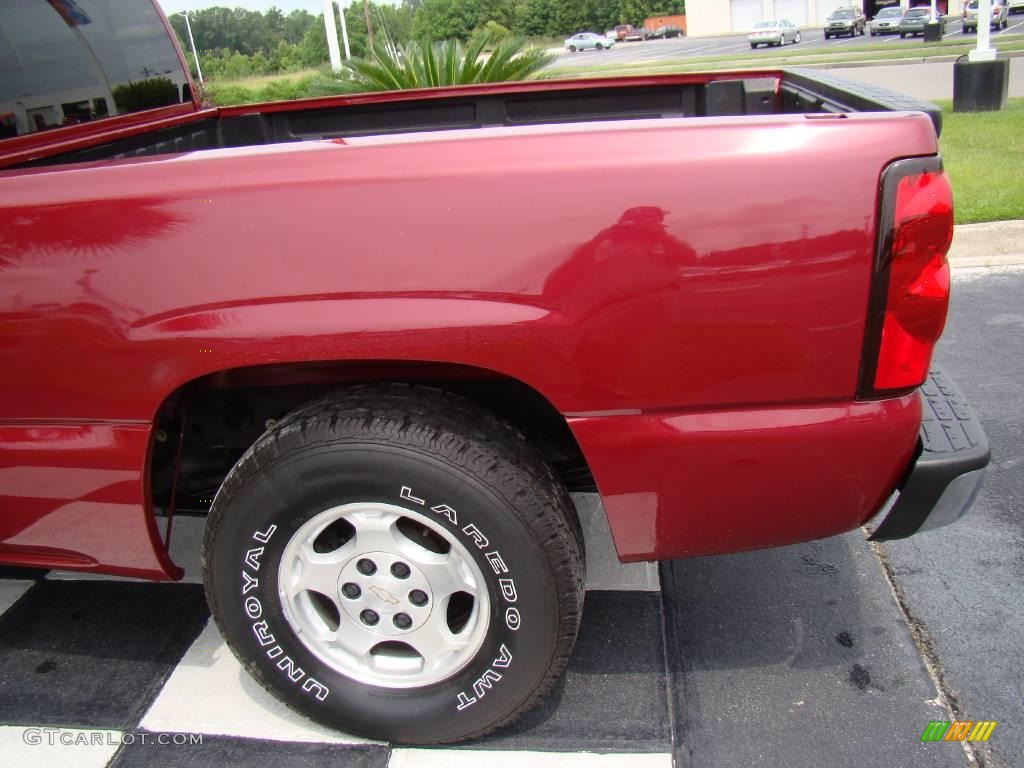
(205,426)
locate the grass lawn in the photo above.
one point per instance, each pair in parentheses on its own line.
(984,157)
(263,80)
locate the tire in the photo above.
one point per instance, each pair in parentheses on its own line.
(572,49)
(598,47)
(873,33)
(903,35)
(753,45)
(797,39)
(324,492)
(827,35)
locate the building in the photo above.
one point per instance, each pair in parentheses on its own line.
(720,17)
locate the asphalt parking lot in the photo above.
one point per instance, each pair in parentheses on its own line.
(684,47)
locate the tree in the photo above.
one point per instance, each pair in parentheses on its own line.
(456,19)
(313,48)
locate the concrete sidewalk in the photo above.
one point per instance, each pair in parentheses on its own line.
(996,243)
(929,80)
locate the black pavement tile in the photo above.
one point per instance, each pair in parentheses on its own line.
(93,653)
(18,572)
(796,656)
(229,751)
(614,695)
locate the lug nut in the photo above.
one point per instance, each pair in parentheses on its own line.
(418,597)
(402,620)
(368,617)
(366,567)
(351,591)
(400,570)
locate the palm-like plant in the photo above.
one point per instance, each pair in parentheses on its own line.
(431,65)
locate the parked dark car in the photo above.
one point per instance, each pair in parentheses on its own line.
(668,31)
(914,21)
(845,21)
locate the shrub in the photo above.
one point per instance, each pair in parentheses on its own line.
(430,65)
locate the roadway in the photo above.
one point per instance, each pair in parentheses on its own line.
(651,51)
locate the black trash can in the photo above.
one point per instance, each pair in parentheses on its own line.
(932,32)
(980,86)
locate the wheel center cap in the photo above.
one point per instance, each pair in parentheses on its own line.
(384,593)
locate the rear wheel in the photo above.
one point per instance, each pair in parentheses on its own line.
(398,563)
(572,49)
(753,45)
(796,39)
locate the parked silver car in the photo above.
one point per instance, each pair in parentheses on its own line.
(1000,16)
(773,32)
(887,21)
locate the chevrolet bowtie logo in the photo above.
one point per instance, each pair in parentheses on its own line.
(384,595)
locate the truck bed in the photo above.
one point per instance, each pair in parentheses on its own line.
(790,91)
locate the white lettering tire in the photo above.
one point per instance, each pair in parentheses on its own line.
(398,563)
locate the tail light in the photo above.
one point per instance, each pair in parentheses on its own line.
(910,293)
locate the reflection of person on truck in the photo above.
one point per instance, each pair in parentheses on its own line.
(620,285)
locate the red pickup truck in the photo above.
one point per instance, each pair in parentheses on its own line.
(378,339)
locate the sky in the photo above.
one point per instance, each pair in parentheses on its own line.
(313,6)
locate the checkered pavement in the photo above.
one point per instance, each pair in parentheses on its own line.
(98,671)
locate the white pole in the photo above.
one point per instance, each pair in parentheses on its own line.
(332,34)
(344,33)
(192,42)
(984,51)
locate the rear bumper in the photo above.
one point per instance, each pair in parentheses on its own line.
(953,452)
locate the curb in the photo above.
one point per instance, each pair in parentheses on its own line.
(902,61)
(990,244)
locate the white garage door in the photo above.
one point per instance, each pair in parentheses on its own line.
(824,7)
(792,10)
(745,14)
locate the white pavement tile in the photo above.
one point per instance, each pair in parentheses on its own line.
(472,758)
(604,571)
(210,692)
(186,550)
(46,747)
(11,590)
